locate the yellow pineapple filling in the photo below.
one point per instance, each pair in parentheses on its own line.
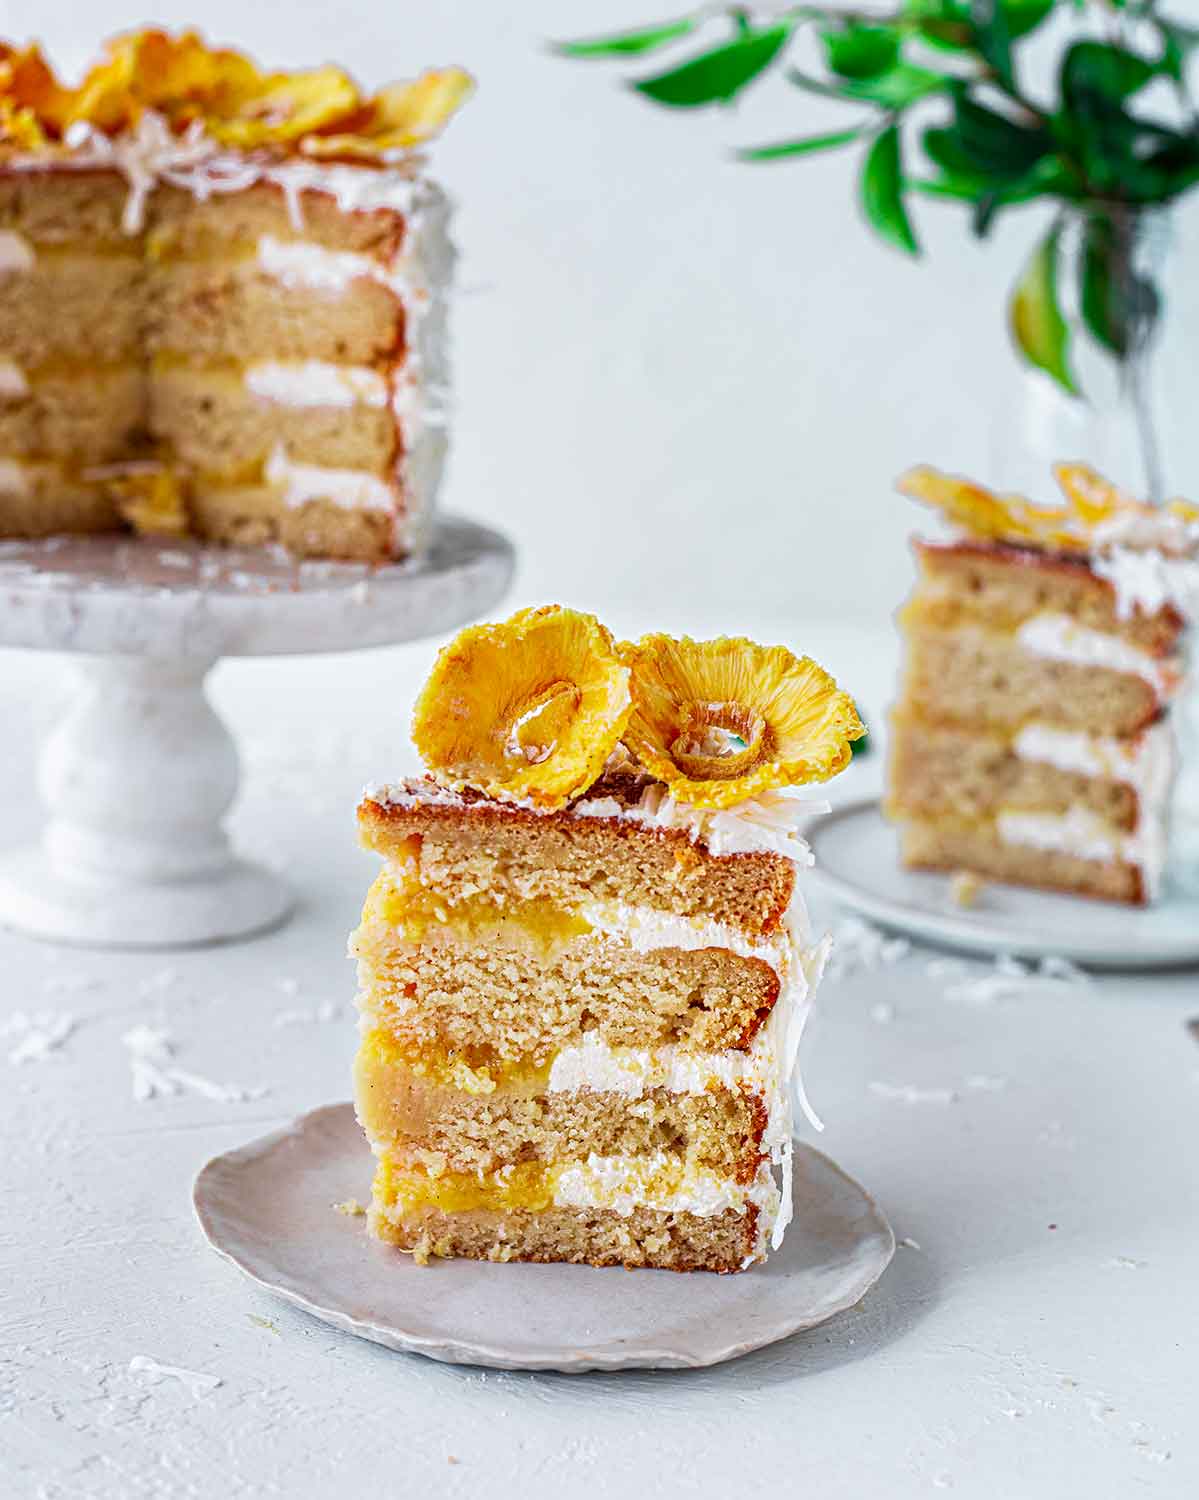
(151,499)
(523,1185)
(659,1180)
(472,1069)
(400,901)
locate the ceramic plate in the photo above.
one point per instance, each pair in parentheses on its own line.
(269,1208)
(857,862)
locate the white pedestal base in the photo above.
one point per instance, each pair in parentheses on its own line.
(36,897)
(137,778)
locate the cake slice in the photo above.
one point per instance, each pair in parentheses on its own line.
(581,988)
(1033,739)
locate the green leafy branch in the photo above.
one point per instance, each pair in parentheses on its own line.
(942,111)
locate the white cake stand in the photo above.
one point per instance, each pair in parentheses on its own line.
(140,772)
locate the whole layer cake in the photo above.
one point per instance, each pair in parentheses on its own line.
(1033,739)
(586,965)
(223,301)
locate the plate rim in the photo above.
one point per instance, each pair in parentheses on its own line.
(446,1349)
(954,931)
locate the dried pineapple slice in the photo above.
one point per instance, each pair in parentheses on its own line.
(725,720)
(397,117)
(980,511)
(526,711)
(320,112)
(30,93)
(1092,498)
(1186,511)
(286,107)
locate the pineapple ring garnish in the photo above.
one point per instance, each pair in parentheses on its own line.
(1091,502)
(723,721)
(527,711)
(320,112)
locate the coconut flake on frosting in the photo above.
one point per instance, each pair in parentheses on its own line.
(767,823)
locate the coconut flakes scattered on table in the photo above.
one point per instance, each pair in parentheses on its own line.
(986,1083)
(161,979)
(327,1010)
(946,968)
(39,1035)
(196,1381)
(909,1093)
(155,1074)
(859,945)
(1010,978)
(70,984)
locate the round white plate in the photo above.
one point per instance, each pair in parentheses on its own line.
(857,862)
(269,1208)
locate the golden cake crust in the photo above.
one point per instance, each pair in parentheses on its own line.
(576,858)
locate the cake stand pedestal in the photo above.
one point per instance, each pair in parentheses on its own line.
(140,772)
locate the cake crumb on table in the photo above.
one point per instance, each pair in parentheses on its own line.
(965,887)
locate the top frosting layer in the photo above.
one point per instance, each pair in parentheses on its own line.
(767,824)
(1148,553)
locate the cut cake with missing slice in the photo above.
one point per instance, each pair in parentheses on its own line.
(580,1021)
(224,301)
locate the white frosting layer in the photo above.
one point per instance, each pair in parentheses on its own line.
(199,165)
(766,824)
(13,384)
(645,928)
(350,488)
(312,382)
(1150,580)
(16,253)
(1083,834)
(298,263)
(419,275)
(1059,638)
(624,1183)
(1157,530)
(1146,762)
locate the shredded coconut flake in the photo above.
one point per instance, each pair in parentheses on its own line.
(154,1073)
(197,1382)
(908,1093)
(857,945)
(40,1036)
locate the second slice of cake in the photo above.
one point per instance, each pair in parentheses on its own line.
(1033,741)
(581,1006)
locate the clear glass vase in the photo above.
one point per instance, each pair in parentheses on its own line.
(1133,319)
(1125,305)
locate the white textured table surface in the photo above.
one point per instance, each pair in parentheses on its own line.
(1035,1337)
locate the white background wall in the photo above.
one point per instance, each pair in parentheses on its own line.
(676,374)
